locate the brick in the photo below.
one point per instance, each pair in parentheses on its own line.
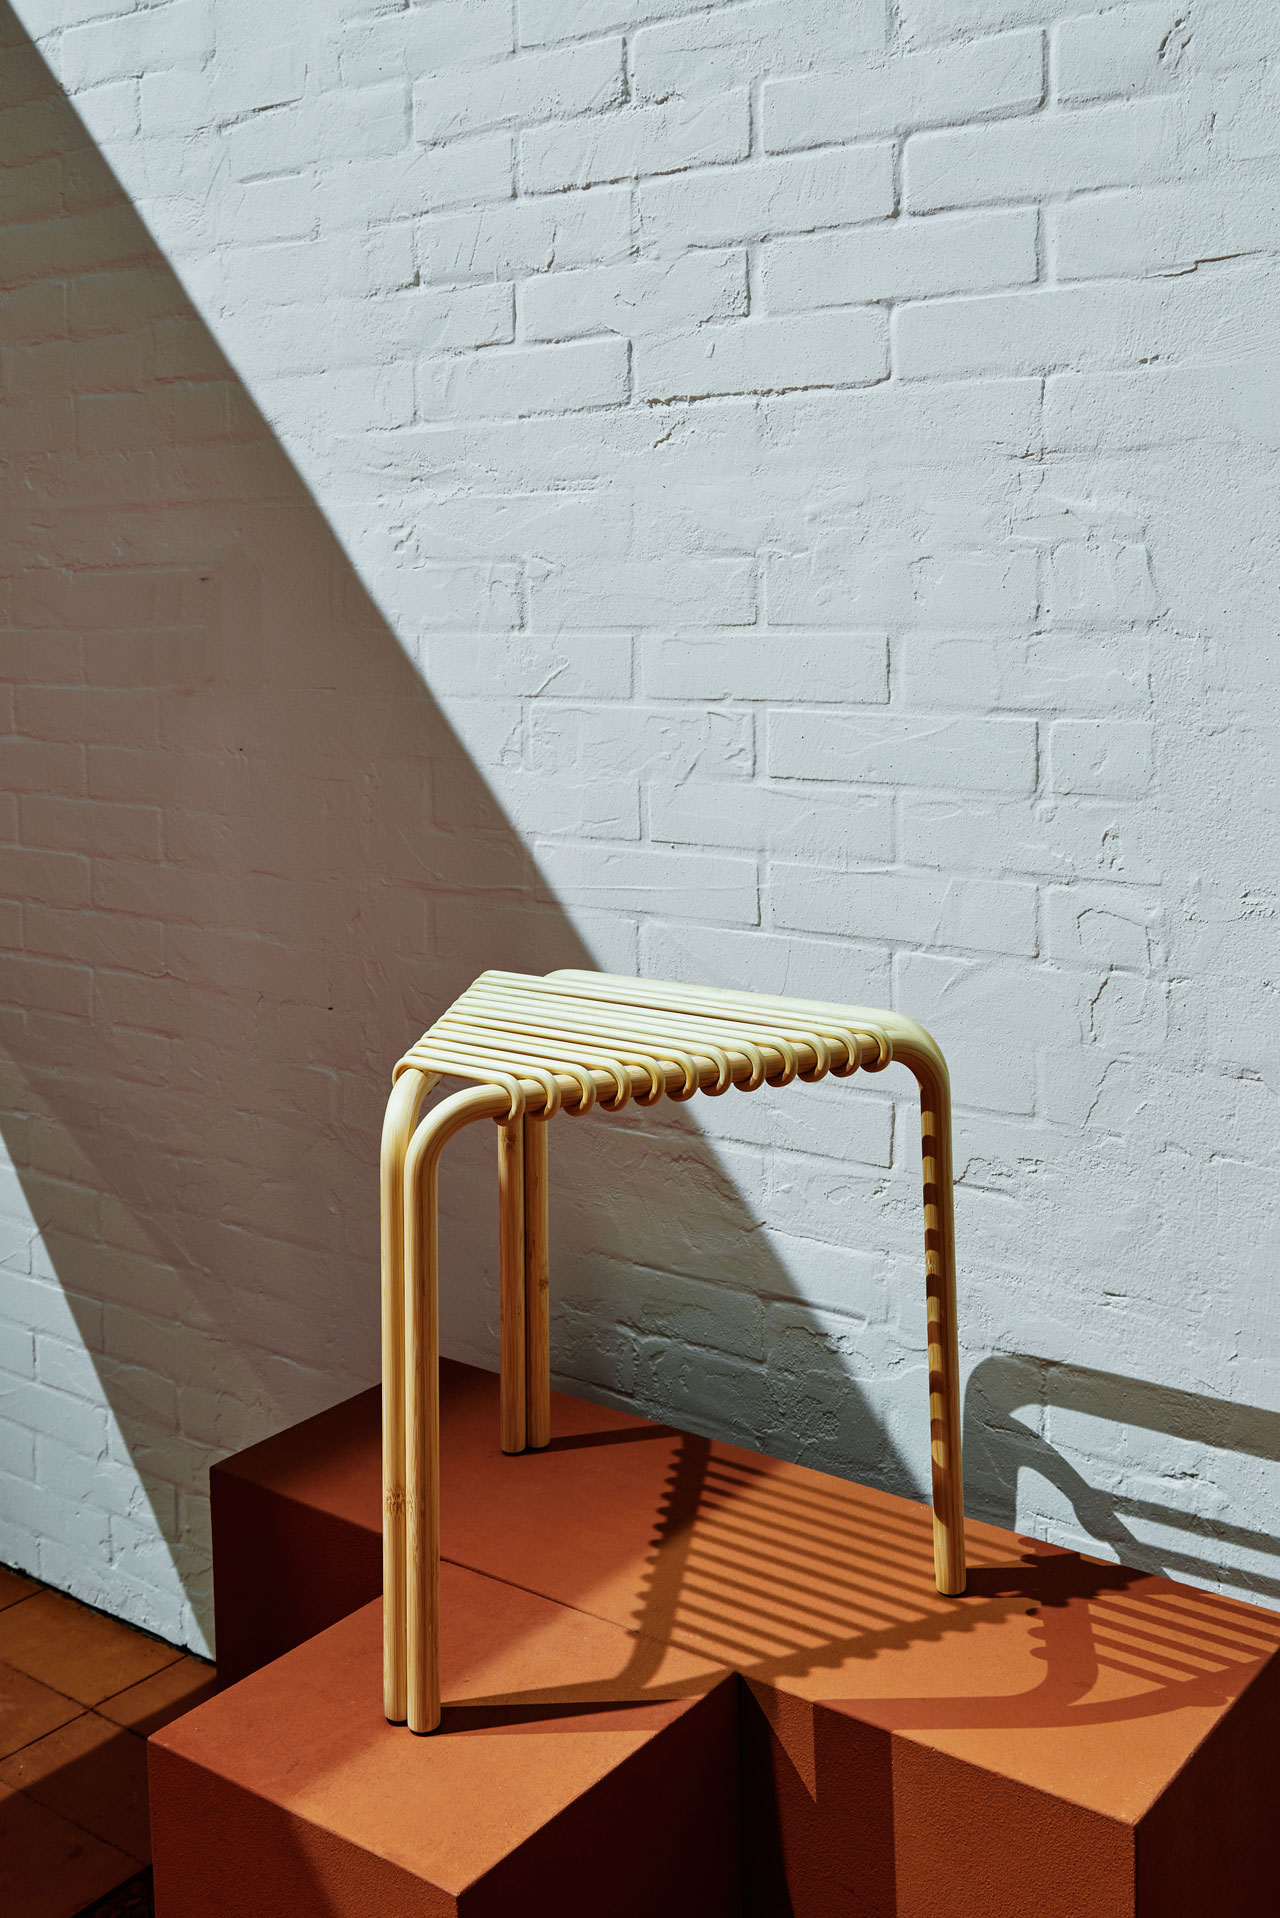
(992,76)
(42,656)
(901,259)
(17,1352)
(836,349)
(55,879)
(111,112)
(646,593)
(469,173)
(530,87)
(74,713)
(601,742)
(112,236)
(134,43)
(1085,671)
(586,229)
(1127,143)
(1105,575)
(33,192)
(1127,50)
(1244,109)
(571,808)
(38,984)
(1102,926)
(1043,330)
(984,1003)
(25,76)
(248,78)
(1076,836)
(807,825)
(821,666)
(373,124)
(1110,758)
(475,598)
(71,1420)
(547,20)
(926,22)
(531,664)
(797,193)
(95,939)
(711,50)
(905,908)
(118,302)
(541,379)
(705,886)
(1158,229)
(835,584)
(635,142)
(75,825)
(981,755)
(173,102)
(444,34)
(931,425)
(1137,409)
(832,1121)
(642,296)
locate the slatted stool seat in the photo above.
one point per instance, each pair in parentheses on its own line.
(573,1042)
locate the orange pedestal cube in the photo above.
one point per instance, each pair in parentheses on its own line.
(1065,1737)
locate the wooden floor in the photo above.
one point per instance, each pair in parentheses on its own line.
(79,1692)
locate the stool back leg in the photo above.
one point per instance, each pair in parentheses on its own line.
(422,1451)
(537,1286)
(511,1255)
(944,1350)
(401,1117)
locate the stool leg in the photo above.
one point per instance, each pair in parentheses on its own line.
(402,1112)
(944,1352)
(511,1255)
(537,1287)
(422,1451)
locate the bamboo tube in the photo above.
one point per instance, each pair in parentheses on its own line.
(940,1306)
(537,1286)
(402,1112)
(422,1398)
(511,1289)
(422,1452)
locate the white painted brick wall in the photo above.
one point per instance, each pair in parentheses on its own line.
(783,494)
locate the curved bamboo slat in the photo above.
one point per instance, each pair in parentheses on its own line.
(532,1047)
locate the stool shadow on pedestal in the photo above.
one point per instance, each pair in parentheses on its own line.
(783,1583)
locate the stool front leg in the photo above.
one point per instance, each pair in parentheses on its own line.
(422,1449)
(421,1387)
(402,1111)
(511,1285)
(940,1302)
(537,1286)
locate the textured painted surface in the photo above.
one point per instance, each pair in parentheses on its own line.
(819,460)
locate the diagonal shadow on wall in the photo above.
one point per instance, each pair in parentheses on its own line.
(246,859)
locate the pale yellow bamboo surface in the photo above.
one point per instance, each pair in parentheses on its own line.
(572,1042)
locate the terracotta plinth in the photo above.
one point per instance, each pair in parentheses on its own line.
(1065,1737)
(290,1793)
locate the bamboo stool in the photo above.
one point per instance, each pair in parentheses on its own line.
(569,1042)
